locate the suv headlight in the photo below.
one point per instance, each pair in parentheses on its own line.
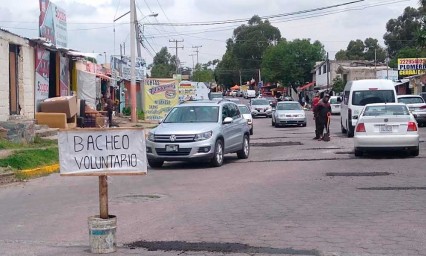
(203,136)
(151,136)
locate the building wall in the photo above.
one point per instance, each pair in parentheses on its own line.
(26,74)
(321,80)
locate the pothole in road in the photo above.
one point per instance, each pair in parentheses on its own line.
(275,144)
(344,153)
(357,174)
(139,198)
(182,246)
(393,188)
(329,148)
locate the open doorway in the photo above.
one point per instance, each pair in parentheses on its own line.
(52,75)
(14,108)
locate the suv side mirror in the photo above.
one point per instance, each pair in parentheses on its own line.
(228,120)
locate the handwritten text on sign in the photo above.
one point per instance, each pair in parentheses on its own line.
(102,151)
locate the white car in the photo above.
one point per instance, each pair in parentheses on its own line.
(335,104)
(245,112)
(288,113)
(260,107)
(417,105)
(386,126)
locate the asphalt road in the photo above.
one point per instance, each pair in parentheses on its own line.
(292,196)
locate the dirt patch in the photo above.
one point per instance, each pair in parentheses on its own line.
(5,153)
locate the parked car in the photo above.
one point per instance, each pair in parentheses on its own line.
(288,113)
(239,94)
(386,126)
(216,96)
(260,107)
(199,130)
(417,105)
(359,93)
(233,93)
(245,112)
(335,104)
(250,94)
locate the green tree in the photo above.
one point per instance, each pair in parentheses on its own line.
(341,55)
(245,50)
(369,49)
(203,74)
(373,51)
(401,32)
(355,50)
(407,53)
(164,64)
(291,62)
(338,84)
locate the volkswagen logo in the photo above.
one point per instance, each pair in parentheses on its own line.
(172,137)
(386,120)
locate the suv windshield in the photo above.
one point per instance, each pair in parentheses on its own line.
(260,102)
(386,110)
(362,98)
(244,110)
(193,114)
(288,106)
(411,100)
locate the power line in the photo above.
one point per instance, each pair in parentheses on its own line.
(196,47)
(176,47)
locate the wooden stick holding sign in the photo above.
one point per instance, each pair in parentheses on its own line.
(103,197)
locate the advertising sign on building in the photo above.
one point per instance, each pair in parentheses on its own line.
(53,23)
(188,90)
(139,68)
(411,66)
(102,151)
(64,78)
(160,96)
(41,76)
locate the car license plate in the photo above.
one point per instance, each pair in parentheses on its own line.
(385,128)
(172,148)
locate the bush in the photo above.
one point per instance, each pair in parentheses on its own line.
(141,115)
(127,111)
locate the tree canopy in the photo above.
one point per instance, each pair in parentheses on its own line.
(291,62)
(245,49)
(164,64)
(369,49)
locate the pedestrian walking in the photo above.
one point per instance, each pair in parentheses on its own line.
(110,109)
(315,102)
(322,111)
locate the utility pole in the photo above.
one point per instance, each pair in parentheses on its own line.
(177,47)
(240,77)
(192,55)
(134,116)
(328,70)
(199,46)
(260,78)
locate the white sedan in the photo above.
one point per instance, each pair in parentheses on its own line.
(386,126)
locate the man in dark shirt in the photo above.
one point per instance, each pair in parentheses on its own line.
(322,111)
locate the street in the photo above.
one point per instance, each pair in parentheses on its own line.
(292,196)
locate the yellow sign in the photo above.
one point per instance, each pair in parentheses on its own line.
(160,97)
(411,66)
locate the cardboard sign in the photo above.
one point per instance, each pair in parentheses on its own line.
(96,152)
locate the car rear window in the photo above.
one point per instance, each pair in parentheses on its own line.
(362,98)
(411,100)
(260,102)
(333,101)
(384,110)
(193,114)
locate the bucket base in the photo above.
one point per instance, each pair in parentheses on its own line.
(102,234)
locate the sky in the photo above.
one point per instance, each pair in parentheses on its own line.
(91,28)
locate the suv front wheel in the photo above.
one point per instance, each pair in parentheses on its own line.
(217,159)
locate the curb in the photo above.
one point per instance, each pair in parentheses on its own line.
(40,171)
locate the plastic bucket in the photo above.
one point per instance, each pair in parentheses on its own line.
(102,234)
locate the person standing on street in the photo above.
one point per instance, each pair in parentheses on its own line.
(110,109)
(322,112)
(315,102)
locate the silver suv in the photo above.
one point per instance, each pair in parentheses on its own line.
(199,130)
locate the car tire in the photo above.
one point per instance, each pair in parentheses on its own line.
(217,159)
(358,153)
(304,125)
(350,132)
(251,131)
(415,152)
(276,125)
(155,163)
(342,128)
(245,151)
(272,121)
